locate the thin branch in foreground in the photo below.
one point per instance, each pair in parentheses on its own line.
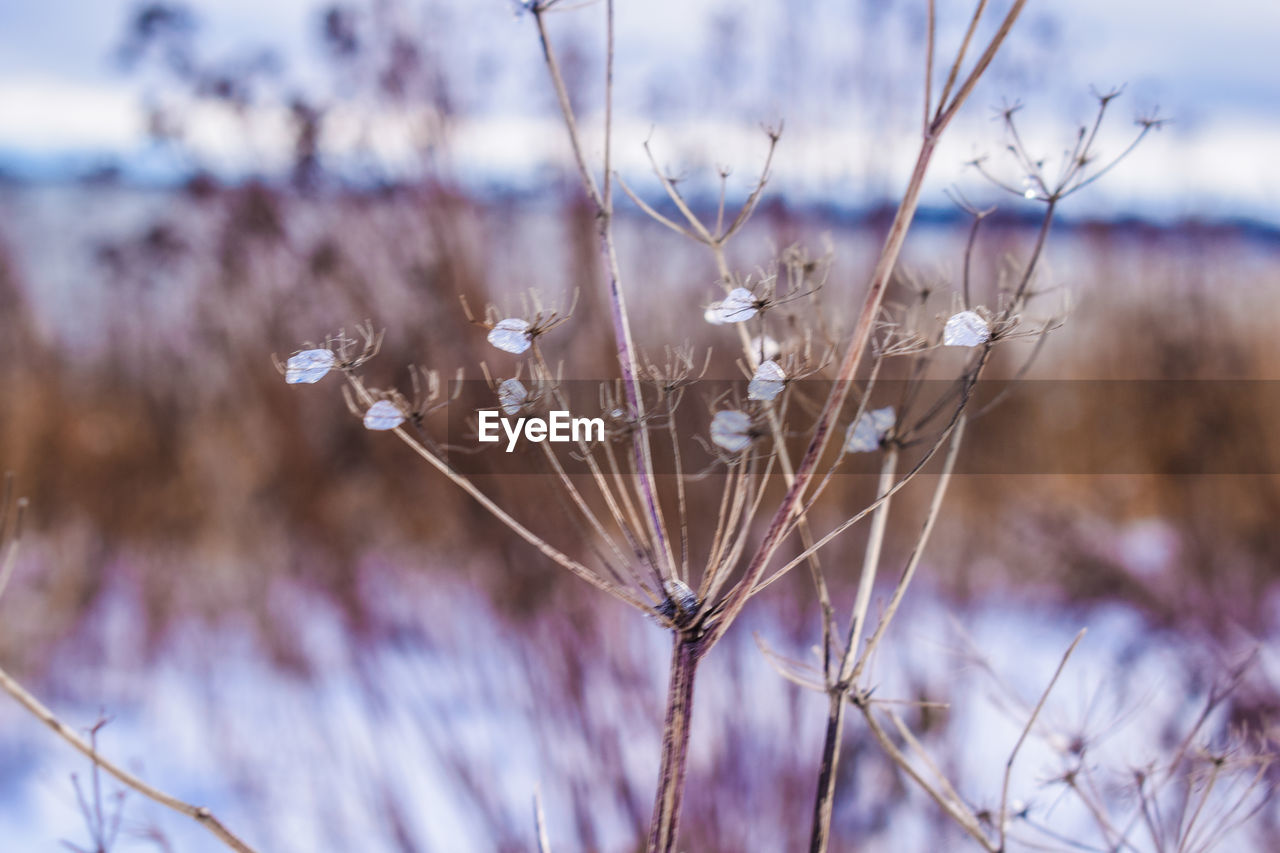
(199,814)
(958,812)
(1026,730)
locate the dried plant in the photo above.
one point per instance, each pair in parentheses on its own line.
(641,558)
(636,520)
(102,823)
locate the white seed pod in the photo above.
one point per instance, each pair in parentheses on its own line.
(767,382)
(865,434)
(712,314)
(966,329)
(678,592)
(308,366)
(511,335)
(383,415)
(512,395)
(765,348)
(738,307)
(731,429)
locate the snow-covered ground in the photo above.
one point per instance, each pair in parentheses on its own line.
(375,731)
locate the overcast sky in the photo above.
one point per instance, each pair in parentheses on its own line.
(1211,66)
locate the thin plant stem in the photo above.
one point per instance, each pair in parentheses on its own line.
(964,48)
(655,215)
(824,801)
(626,350)
(930,41)
(980,67)
(1041,237)
(543,546)
(199,814)
(957,811)
(837,690)
(913,562)
(665,825)
(1026,731)
(870,562)
(1187,834)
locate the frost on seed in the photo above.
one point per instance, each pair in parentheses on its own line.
(765,348)
(511,335)
(512,396)
(383,414)
(731,429)
(767,382)
(308,366)
(865,434)
(738,307)
(966,329)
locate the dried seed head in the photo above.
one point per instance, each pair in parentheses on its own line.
(865,434)
(383,415)
(767,382)
(309,366)
(512,395)
(966,329)
(511,335)
(738,307)
(731,429)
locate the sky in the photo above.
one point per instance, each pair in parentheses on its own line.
(697,77)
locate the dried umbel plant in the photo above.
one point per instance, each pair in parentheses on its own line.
(635,522)
(643,553)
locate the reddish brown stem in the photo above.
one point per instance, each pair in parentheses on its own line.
(665,826)
(825,799)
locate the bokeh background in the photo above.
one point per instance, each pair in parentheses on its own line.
(289,620)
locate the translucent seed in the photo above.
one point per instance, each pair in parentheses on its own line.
(511,335)
(865,434)
(738,307)
(767,382)
(308,366)
(966,329)
(383,414)
(512,396)
(731,429)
